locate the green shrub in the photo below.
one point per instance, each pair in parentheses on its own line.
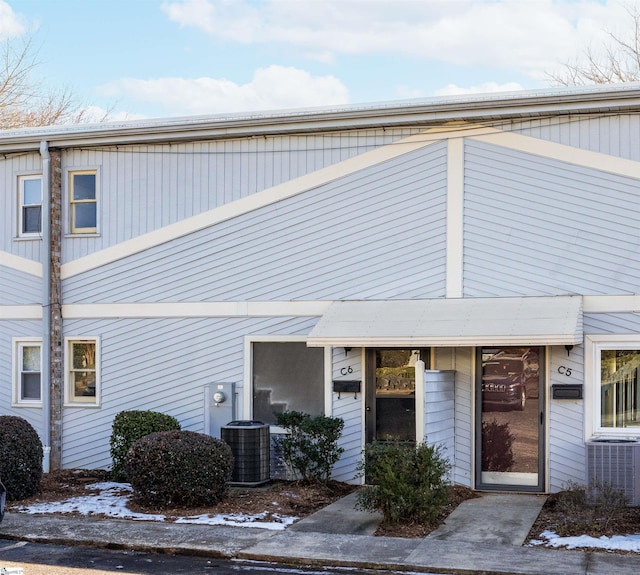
(128,427)
(310,447)
(497,446)
(20,457)
(407,482)
(171,468)
(587,508)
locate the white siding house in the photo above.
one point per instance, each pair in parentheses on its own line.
(480,255)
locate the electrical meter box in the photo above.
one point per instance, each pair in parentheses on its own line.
(221,406)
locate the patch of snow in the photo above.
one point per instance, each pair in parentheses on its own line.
(112,498)
(535,542)
(617,542)
(241,520)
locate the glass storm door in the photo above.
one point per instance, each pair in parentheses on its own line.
(390,401)
(510,416)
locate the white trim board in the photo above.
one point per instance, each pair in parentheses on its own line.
(562,153)
(303,308)
(196,309)
(20,264)
(21,312)
(611,303)
(455,216)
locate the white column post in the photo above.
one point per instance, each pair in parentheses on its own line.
(420,391)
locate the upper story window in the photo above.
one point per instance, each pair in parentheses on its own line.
(616,366)
(82,374)
(30,206)
(83,202)
(27,387)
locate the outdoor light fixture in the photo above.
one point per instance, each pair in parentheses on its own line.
(568,347)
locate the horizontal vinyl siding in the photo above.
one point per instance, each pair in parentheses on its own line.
(378,233)
(162,365)
(534,226)
(463,470)
(566,422)
(19,288)
(612,323)
(439,414)
(460,360)
(350,409)
(144,188)
(615,135)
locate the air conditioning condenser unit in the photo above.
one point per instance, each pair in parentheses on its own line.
(616,463)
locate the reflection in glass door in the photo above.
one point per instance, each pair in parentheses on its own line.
(390,394)
(510,422)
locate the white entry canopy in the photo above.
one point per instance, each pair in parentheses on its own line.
(511,321)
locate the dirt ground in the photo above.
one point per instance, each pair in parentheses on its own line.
(567,517)
(292,498)
(559,514)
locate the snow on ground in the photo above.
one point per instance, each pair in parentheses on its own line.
(112,498)
(615,543)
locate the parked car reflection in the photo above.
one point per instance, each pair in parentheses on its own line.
(508,379)
(3,500)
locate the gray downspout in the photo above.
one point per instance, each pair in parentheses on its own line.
(45,369)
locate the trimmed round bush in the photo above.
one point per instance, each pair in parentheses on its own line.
(20,457)
(179,468)
(128,427)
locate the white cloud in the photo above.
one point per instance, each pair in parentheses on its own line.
(453,90)
(529,36)
(96,114)
(275,87)
(12,25)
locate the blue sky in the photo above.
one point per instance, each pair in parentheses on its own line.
(162,58)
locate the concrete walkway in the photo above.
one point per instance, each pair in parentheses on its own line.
(504,518)
(481,537)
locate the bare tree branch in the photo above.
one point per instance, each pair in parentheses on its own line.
(23,101)
(619,62)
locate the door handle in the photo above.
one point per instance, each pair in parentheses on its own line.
(541,417)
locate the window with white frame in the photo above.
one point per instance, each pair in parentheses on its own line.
(27,387)
(287,376)
(30,206)
(82,373)
(83,202)
(616,365)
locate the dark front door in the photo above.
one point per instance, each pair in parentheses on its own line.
(510,414)
(390,401)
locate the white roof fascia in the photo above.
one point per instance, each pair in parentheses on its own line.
(476,108)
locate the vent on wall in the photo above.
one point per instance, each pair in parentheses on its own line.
(616,463)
